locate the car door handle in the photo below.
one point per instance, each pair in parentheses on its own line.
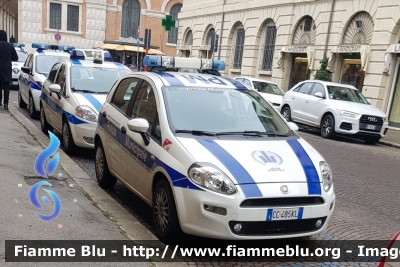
(293,97)
(104,114)
(123,130)
(307,101)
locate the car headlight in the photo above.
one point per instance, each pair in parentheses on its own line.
(86,113)
(326,174)
(348,114)
(211,178)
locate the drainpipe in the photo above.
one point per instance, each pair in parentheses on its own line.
(222,29)
(329,27)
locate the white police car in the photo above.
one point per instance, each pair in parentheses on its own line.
(72,95)
(34,72)
(16,65)
(210,156)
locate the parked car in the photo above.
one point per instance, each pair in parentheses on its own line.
(72,96)
(16,65)
(34,72)
(335,109)
(210,156)
(268,90)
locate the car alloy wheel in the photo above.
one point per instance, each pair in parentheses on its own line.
(328,127)
(32,111)
(65,135)
(161,210)
(103,175)
(286,113)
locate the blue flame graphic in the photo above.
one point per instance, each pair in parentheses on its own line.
(36,204)
(51,166)
(46,154)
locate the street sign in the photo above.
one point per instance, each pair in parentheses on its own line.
(168,23)
(57,36)
(147,37)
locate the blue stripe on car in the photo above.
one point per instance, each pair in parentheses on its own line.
(76,62)
(235,83)
(40,51)
(235,168)
(140,154)
(96,104)
(171,79)
(34,86)
(72,119)
(313,182)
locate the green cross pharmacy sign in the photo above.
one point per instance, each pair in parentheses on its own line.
(168,23)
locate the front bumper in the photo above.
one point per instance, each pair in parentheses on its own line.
(15,77)
(356,126)
(196,220)
(83,134)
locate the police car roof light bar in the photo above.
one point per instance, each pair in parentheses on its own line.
(66,48)
(76,54)
(18,45)
(181,62)
(40,46)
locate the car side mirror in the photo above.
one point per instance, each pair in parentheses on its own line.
(293,126)
(26,70)
(140,126)
(319,94)
(55,88)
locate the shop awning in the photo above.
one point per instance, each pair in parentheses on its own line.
(108,46)
(155,52)
(392,49)
(364,50)
(129,48)
(309,50)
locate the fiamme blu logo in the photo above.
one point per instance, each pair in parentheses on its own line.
(45,165)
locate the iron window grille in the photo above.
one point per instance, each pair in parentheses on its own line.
(55,16)
(173,34)
(73,18)
(238,48)
(130,18)
(189,38)
(268,47)
(307,23)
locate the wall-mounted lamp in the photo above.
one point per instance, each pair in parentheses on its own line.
(358,23)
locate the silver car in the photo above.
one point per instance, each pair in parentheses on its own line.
(335,109)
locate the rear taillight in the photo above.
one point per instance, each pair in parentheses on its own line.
(383,259)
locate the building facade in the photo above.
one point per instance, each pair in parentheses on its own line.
(87,23)
(284,41)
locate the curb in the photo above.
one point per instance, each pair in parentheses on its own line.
(126,222)
(387,143)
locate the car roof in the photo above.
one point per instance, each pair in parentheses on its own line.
(255,79)
(51,53)
(331,84)
(195,80)
(90,63)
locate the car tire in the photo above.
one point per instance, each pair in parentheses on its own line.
(44,125)
(328,127)
(286,113)
(67,139)
(103,175)
(372,140)
(21,102)
(32,111)
(166,224)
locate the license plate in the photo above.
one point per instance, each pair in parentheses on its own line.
(15,83)
(370,127)
(284,214)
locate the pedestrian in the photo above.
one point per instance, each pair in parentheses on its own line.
(7,55)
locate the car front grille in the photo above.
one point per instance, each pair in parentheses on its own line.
(269,228)
(371,123)
(284,201)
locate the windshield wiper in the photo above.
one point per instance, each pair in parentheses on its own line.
(251,133)
(195,132)
(85,91)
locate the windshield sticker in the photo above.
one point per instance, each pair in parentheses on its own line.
(208,89)
(167,144)
(193,79)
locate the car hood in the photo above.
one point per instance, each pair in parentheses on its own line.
(276,99)
(94,101)
(250,161)
(362,109)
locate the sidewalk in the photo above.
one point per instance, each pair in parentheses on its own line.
(392,138)
(85,207)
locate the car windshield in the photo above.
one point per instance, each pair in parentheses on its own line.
(269,88)
(346,94)
(45,63)
(21,56)
(95,79)
(221,111)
